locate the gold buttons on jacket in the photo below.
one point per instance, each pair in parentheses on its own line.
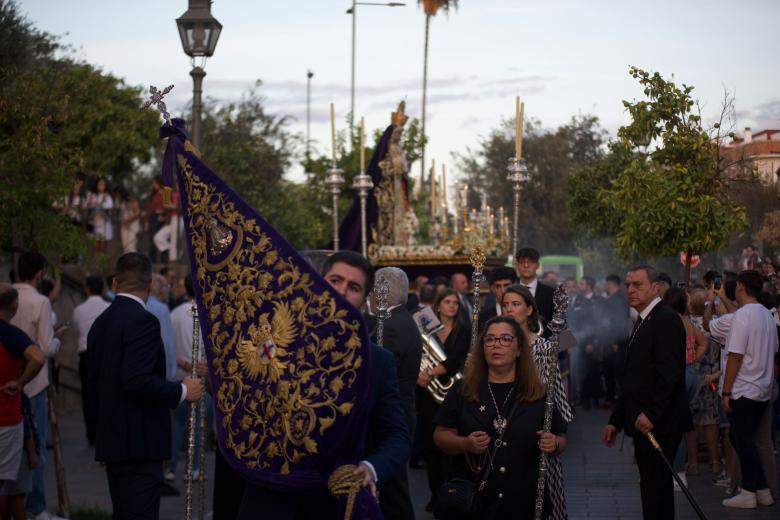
(500,495)
(502,469)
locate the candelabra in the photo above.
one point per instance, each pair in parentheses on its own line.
(363,185)
(518,172)
(334,181)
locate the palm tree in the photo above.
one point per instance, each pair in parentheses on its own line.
(430,8)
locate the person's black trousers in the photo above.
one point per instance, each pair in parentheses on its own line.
(87,400)
(135,489)
(228,489)
(655,477)
(744,417)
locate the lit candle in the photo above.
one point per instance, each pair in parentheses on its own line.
(490,222)
(433,190)
(362,145)
(465,197)
(444,186)
(455,213)
(506,227)
(501,220)
(519,114)
(333,131)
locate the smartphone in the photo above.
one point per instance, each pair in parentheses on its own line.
(718,282)
(681,285)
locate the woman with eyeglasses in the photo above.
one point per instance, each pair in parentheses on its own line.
(519,304)
(491,422)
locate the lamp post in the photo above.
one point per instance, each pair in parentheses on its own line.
(353,12)
(199,32)
(309,75)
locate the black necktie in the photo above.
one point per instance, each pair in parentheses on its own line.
(635,329)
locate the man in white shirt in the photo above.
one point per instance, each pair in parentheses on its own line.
(181,320)
(84,315)
(34,317)
(526,265)
(747,385)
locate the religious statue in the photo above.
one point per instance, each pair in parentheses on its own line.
(397,224)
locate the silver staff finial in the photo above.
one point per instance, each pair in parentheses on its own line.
(156,98)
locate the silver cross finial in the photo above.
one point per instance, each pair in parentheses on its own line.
(156,98)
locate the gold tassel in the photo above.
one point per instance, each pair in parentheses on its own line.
(166,194)
(344,482)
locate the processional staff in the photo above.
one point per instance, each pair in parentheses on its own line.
(477,259)
(518,172)
(381,292)
(334,180)
(363,185)
(547,370)
(195,407)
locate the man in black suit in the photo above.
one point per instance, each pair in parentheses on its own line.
(499,279)
(132,397)
(526,264)
(460,282)
(388,442)
(653,397)
(403,339)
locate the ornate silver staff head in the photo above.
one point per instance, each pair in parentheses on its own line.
(156,98)
(381,292)
(477,259)
(561,302)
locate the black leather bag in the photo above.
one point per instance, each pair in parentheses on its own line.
(457,499)
(460,498)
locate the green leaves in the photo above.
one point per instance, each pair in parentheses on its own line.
(664,201)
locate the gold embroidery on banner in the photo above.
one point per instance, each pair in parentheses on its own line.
(270,399)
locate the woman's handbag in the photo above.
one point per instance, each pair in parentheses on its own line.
(460,498)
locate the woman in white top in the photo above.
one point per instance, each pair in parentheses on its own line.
(99,204)
(130,220)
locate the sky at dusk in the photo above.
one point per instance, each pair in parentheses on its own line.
(563,57)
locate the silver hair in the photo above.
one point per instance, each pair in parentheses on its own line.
(399,285)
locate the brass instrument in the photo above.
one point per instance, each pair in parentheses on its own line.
(432,355)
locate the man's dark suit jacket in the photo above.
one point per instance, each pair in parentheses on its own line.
(402,338)
(387,447)
(654,376)
(487,310)
(544,302)
(127,378)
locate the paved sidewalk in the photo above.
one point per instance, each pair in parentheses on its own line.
(600,482)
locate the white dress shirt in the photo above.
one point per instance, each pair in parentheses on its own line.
(650,306)
(34,318)
(531,286)
(181,319)
(84,315)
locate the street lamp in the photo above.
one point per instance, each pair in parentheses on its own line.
(353,12)
(199,32)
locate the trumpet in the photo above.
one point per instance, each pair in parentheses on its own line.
(432,355)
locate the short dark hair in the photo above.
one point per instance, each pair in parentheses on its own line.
(133,272)
(8,298)
(590,281)
(502,273)
(730,288)
(752,281)
(652,274)
(613,278)
(527,253)
(29,264)
(427,293)
(46,287)
(677,299)
(710,276)
(188,286)
(352,259)
(663,277)
(94,284)
(767,300)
